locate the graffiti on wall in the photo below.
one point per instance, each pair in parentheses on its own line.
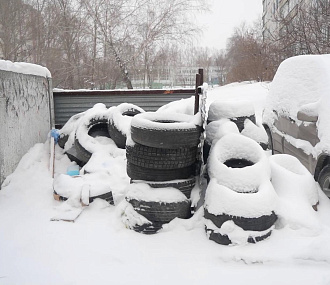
(23,93)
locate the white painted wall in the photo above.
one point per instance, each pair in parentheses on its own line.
(24,116)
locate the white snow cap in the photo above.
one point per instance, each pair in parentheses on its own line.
(298,81)
(222,200)
(25,68)
(122,122)
(143,192)
(158,121)
(290,178)
(217,129)
(255,132)
(236,146)
(230,109)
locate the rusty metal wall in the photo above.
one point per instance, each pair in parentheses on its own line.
(25,106)
(69,103)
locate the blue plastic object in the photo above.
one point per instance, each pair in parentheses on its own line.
(73,170)
(55,133)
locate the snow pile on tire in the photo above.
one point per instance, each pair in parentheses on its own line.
(233,117)
(87,136)
(161,155)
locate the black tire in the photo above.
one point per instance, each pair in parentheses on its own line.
(161,212)
(83,154)
(261,223)
(74,156)
(224,239)
(149,174)
(160,158)
(166,138)
(118,137)
(206,151)
(148,229)
(62,140)
(217,237)
(270,140)
(95,127)
(239,121)
(185,186)
(159,133)
(324,180)
(106,196)
(99,128)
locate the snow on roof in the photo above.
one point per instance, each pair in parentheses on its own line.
(24,68)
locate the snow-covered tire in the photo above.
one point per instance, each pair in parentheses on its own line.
(221,200)
(93,124)
(160,158)
(236,111)
(83,154)
(149,174)
(184,185)
(262,223)
(69,129)
(235,147)
(161,130)
(161,212)
(120,121)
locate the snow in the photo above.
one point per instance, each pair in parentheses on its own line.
(164,121)
(220,109)
(217,129)
(301,83)
(143,192)
(255,132)
(24,68)
(220,199)
(98,248)
(123,123)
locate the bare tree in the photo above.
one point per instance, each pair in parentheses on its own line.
(305,29)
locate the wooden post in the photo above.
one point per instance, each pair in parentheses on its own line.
(199,82)
(198,76)
(201,72)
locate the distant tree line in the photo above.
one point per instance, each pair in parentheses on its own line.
(105,44)
(96,43)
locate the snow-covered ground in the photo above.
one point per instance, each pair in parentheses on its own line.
(98,249)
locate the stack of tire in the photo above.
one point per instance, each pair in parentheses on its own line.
(80,136)
(162,153)
(240,201)
(242,114)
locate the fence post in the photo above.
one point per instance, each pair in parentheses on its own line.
(199,82)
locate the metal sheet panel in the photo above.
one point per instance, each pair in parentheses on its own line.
(67,104)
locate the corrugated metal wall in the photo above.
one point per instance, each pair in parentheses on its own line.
(25,104)
(69,103)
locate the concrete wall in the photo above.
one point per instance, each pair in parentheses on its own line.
(24,116)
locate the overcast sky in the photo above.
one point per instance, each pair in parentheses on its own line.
(225,15)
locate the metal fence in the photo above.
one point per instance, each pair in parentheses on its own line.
(68,103)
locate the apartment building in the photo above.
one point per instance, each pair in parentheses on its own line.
(183,76)
(276,10)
